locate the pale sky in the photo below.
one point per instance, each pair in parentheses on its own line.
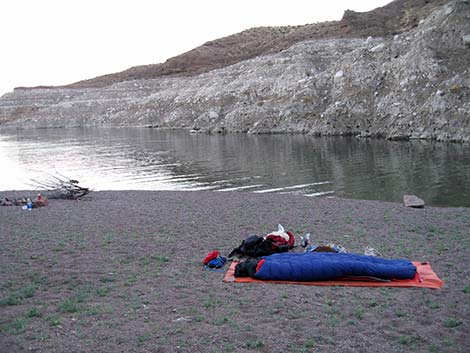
(53,42)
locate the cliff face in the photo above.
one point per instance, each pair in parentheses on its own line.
(414,84)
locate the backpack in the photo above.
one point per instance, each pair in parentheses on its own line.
(256,246)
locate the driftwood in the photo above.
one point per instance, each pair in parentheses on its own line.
(60,187)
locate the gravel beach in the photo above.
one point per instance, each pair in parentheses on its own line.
(122,272)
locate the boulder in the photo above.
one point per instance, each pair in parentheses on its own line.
(413,201)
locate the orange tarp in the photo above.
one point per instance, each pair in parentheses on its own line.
(425,277)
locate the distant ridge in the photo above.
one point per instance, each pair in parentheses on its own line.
(396,17)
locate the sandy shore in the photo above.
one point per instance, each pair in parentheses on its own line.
(122,273)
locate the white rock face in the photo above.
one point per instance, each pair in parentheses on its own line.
(416,84)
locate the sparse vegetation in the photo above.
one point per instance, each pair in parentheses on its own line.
(452,322)
(257,344)
(68,306)
(33,312)
(54,320)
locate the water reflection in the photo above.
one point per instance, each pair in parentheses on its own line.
(149,159)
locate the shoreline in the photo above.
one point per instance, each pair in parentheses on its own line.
(33,193)
(363,135)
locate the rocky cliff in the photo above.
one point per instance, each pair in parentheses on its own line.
(401,71)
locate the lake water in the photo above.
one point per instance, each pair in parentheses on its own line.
(148,159)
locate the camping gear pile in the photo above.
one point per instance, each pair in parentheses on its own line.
(268,258)
(26,202)
(254,246)
(214,260)
(274,242)
(321,248)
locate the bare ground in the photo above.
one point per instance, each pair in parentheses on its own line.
(122,273)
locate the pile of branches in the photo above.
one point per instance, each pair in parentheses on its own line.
(61,187)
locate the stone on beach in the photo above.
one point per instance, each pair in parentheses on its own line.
(413,201)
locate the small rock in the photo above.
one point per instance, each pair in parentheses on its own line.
(20,202)
(183,319)
(466,40)
(413,201)
(377,48)
(439,93)
(213,115)
(339,74)
(6,202)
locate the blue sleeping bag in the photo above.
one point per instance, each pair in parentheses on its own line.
(313,266)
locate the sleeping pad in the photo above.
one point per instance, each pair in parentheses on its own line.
(313,266)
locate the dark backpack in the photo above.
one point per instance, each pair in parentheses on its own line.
(256,246)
